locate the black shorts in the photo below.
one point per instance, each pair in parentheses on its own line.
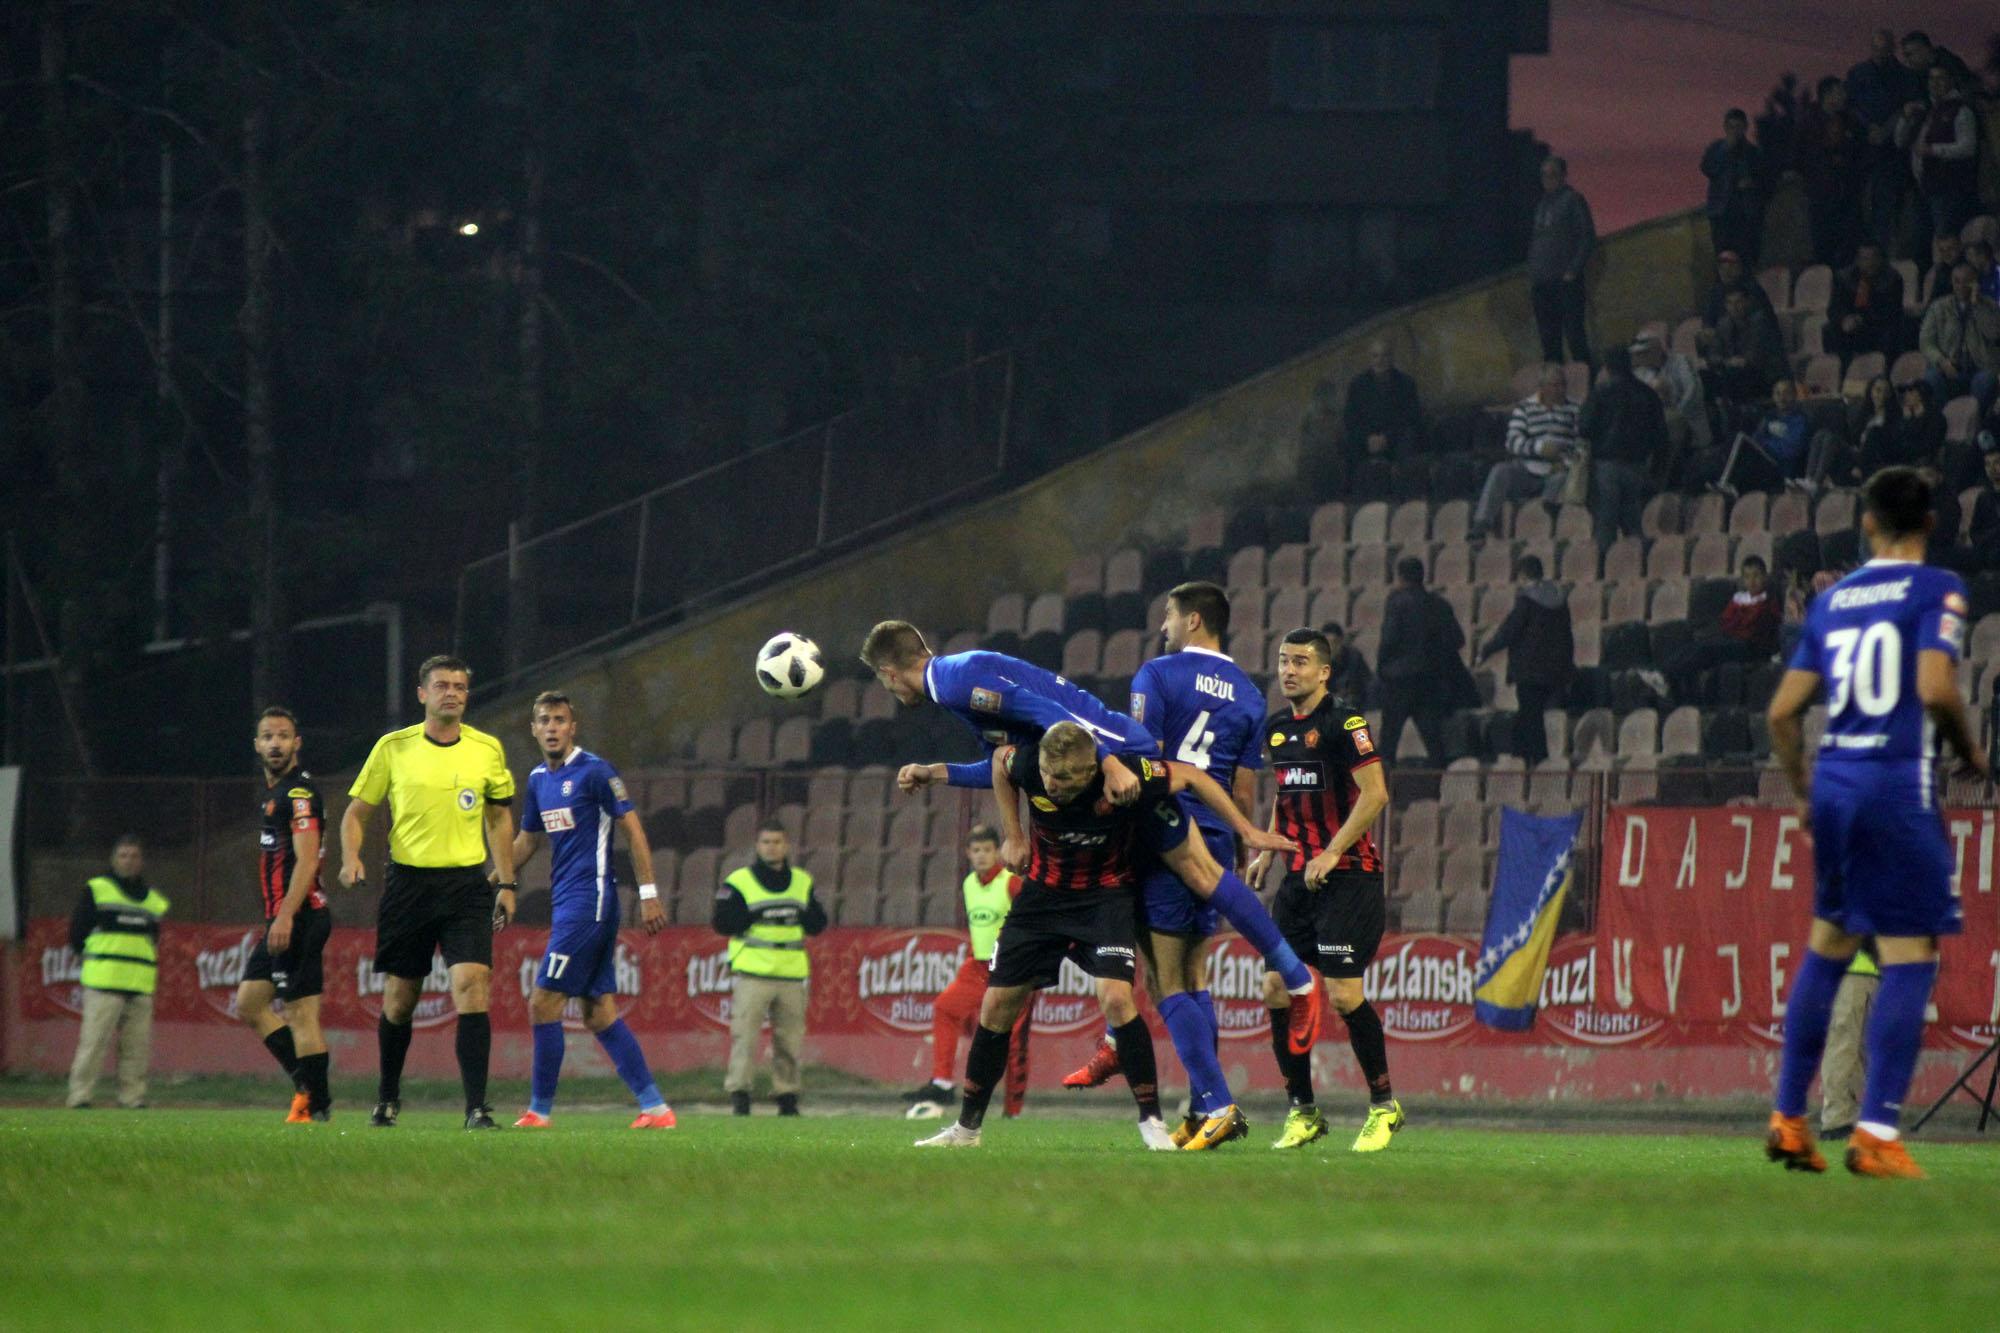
(1336,927)
(1097,928)
(296,973)
(425,909)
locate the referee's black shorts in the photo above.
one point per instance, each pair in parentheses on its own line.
(1336,927)
(425,909)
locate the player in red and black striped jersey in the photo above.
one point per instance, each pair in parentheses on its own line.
(1331,905)
(286,964)
(1079,903)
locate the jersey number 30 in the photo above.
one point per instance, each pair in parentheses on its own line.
(1867,668)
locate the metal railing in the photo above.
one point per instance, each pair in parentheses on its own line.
(710,536)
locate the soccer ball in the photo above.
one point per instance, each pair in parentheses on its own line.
(789,666)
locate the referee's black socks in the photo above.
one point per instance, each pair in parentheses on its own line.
(286,1053)
(985,1066)
(393,1040)
(475,1046)
(1135,1056)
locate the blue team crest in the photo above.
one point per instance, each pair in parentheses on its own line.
(567,786)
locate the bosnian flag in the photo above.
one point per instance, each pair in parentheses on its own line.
(1529,882)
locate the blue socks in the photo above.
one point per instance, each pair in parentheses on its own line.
(630,1062)
(1207,1004)
(548,1067)
(1895,1031)
(1807,1016)
(1240,908)
(1194,1041)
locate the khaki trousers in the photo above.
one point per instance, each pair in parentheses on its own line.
(1842,1070)
(752,1001)
(109,1014)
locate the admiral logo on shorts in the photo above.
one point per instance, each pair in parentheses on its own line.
(1114,951)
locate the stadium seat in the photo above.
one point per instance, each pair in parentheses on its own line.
(1082,611)
(1573,524)
(827,786)
(1862,371)
(1288,609)
(1705,514)
(1422,912)
(1207,529)
(1626,602)
(1594,734)
(1410,526)
(964,641)
(1246,568)
(1506,782)
(753,742)
(1368,565)
(1908,367)
(1286,567)
(1811,342)
(877,705)
(1666,558)
(1451,521)
(823,827)
(1725,735)
(1625,559)
(1586,602)
(1907,270)
(1495,601)
(700,874)
(1747,514)
(1680,735)
(1834,513)
(791,744)
(1459,597)
(1789,513)
(1814,288)
(1639,785)
(1710,556)
(1588,636)
(1084,574)
(1985,646)
(1326,565)
(1494,563)
(1661,515)
(1416,825)
(1365,612)
(1416,870)
(1548,785)
(1045,615)
(1777,284)
(1464,872)
(1328,525)
(1006,613)
(1327,606)
(1462,824)
(1985,227)
(1369,525)
(1578,561)
(1083,654)
(902,887)
(859,881)
(714,743)
(1465,914)
(1123,571)
(1532,522)
(1961,414)
(1460,783)
(1669,601)
(1639,735)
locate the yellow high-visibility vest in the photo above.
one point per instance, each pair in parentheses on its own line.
(122,952)
(771,949)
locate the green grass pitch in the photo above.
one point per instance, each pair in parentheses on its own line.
(217,1219)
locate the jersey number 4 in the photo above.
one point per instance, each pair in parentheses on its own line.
(1867,669)
(1197,743)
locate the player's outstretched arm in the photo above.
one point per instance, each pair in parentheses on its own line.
(651,915)
(1187,778)
(1937,688)
(1788,731)
(1013,842)
(353,829)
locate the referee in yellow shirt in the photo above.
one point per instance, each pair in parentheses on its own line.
(448,791)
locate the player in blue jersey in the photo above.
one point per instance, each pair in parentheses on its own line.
(1884,642)
(1207,713)
(1008,701)
(573,801)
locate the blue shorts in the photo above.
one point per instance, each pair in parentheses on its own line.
(582,958)
(1171,907)
(1881,862)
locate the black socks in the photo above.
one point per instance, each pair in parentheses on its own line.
(985,1066)
(475,1046)
(1296,1070)
(1135,1056)
(1371,1052)
(393,1040)
(312,1081)
(280,1045)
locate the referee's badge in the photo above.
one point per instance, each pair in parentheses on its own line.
(467,798)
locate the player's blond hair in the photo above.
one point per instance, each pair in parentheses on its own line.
(1067,746)
(894,644)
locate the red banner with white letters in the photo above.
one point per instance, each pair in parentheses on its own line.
(1703,914)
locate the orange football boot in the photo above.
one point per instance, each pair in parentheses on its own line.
(532,1120)
(301,1112)
(1887,1158)
(1308,1012)
(1790,1141)
(1102,1067)
(664,1120)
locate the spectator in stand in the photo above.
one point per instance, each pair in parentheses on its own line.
(1541,437)
(1775,453)
(1947,516)
(1960,340)
(1747,356)
(1877,89)
(1984,539)
(1351,679)
(1833,159)
(1423,676)
(1921,55)
(1946,253)
(1747,631)
(1918,436)
(1730,276)
(1673,377)
(1735,170)
(1541,654)
(1865,313)
(1382,421)
(1985,272)
(1559,250)
(1839,459)
(1624,426)
(1941,136)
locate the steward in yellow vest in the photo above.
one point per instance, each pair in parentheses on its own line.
(116,929)
(767,910)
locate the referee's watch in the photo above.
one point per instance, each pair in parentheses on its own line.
(507,886)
